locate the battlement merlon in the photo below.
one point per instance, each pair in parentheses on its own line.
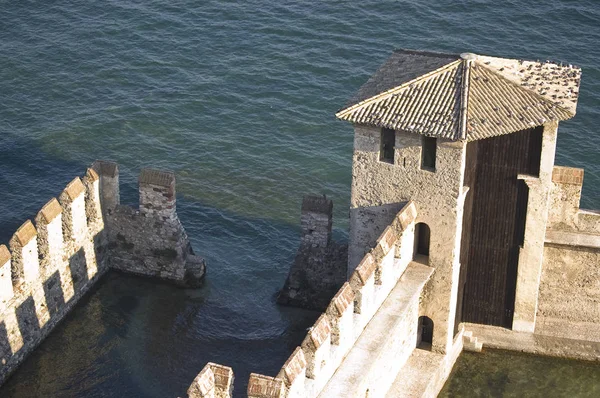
(214,381)
(316,220)
(108,173)
(157,193)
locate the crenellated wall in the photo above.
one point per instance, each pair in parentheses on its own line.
(569,289)
(51,264)
(49,267)
(368,331)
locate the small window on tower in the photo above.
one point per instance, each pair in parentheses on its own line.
(428,145)
(386,148)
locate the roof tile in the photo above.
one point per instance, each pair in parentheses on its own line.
(474,98)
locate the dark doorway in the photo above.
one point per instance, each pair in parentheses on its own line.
(496,227)
(425,333)
(422,239)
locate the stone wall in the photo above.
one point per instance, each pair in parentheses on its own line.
(49,267)
(51,264)
(569,290)
(531,253)
(368,330)
(380,189)
(319,268)
(213,381)
(149,241)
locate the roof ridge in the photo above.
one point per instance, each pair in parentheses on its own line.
(342,112)
(464,98)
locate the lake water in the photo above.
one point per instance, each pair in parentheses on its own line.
(504,374)
(238,98)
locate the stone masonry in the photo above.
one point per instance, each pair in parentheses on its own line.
(149,241)
(319,268)
(51,264)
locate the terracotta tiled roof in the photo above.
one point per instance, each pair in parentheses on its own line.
(464,97)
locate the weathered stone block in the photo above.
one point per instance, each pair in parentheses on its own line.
(50,237)
(340,313)
(293,374)
(260,386)
(203,385)
(109,184)
(25,259)
(316,346)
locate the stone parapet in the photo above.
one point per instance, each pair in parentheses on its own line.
(260,386)
(328,343)
(293,373)
(213,381)
(52,265)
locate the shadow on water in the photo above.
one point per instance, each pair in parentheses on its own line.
(140,337)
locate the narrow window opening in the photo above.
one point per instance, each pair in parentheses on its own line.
(425,333)
(386,148)
(428,148)
(422,239)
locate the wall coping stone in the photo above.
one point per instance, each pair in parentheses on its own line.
(25,233)
(319,332)
(50,211)
(568,238)
(341,301)
(4,255)
(92,175)
(157,177)
(265,386)
(74,188)
(294,366)
(106,168)
(223,375)
(365,269)
(567,175)
(407,215)
(204,382)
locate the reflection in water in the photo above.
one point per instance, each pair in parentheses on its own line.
(497,373)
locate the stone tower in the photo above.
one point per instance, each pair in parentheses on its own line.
(471,140)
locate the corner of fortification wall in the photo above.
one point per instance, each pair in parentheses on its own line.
(75,239)
(148,241)
(319,268)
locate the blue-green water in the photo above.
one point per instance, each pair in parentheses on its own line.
(238,99)
(504,374)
